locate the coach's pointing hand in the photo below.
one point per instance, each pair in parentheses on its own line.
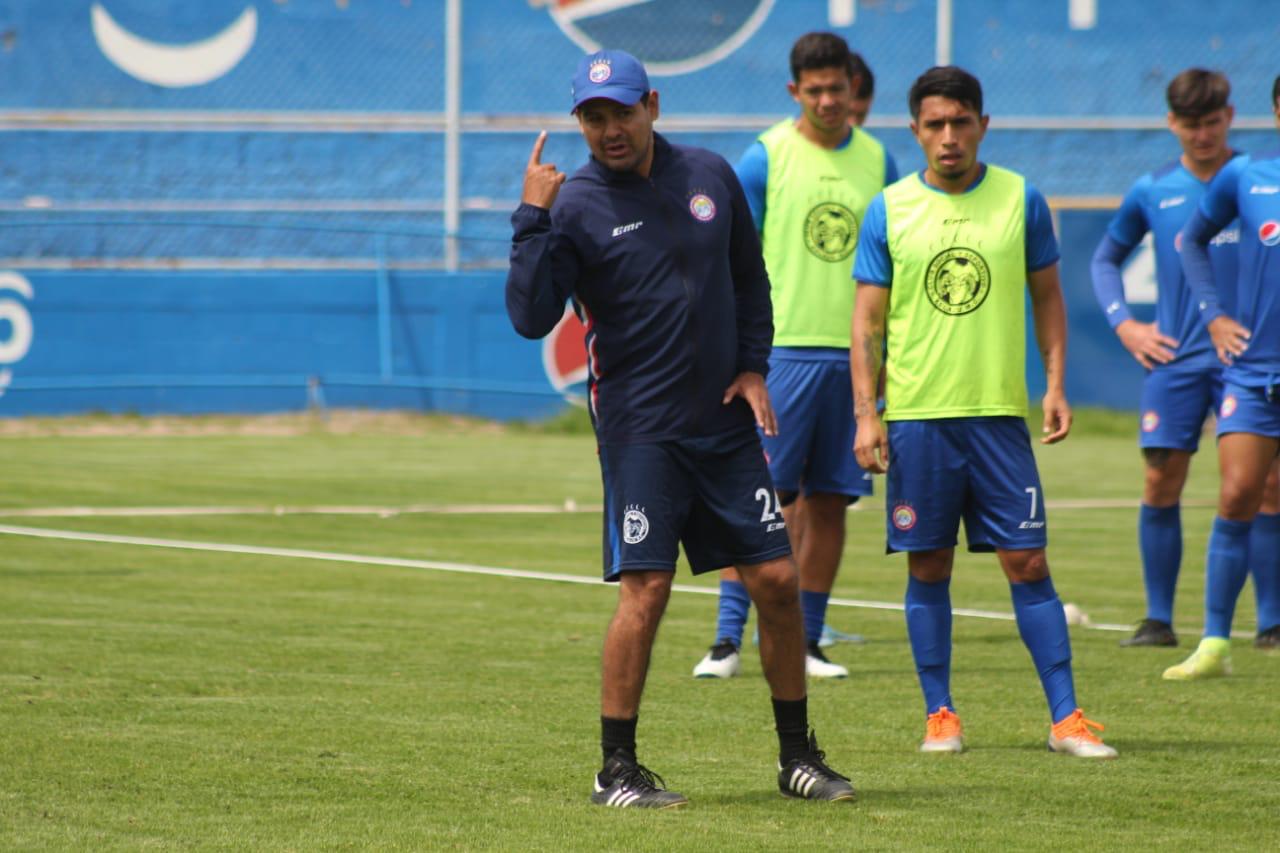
(541,180)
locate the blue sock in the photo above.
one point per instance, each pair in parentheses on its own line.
(814,605)
(929,629)
(1160,540)
(732,616)
(1043,627)
(1264,560)
(1225,571)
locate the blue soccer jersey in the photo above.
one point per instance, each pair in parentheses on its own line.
(1247,188)
(1161,203)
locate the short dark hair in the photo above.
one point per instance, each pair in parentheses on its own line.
(1275,92)
(947,81)
(1197,92)
(866,80)
(818,50)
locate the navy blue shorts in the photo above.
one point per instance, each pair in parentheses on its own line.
(978,469)
(1175,404)
(813,450)
(1249,409)
(713,495)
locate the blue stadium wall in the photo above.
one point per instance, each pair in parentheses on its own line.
(274,235)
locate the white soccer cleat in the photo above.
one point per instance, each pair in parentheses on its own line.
(1072,736)
(816,665)
(723,661)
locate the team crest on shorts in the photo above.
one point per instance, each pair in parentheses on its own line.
(957,281)
(635,525)
(702,207)
(599,72)
(831,232)
(1229,404)
(1150,420)
(904,517)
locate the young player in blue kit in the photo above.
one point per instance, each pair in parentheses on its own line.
(654,244)
(1184,379)
(1248,343)
(808,181)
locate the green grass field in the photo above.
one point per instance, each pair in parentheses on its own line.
(157,697)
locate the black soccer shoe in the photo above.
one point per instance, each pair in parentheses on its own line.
(1152,632)
(809,778)
(1268,640)
(632,786)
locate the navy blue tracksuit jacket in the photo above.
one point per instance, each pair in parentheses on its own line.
(667,275)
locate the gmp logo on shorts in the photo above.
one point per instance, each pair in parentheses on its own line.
(957,281)
(904,517)
(1269,232)
(831,232)
(1150,420)
(702,207)
(635,525)
(1229,404)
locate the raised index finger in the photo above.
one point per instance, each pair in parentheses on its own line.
(536,157)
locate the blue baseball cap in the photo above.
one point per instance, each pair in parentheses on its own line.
(612,74)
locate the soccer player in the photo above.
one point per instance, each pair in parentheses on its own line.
(1184,378)
(1249,417)
(808,181)
(654,243)
(943,265)
(864,91)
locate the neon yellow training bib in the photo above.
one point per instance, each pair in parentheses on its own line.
(956,324)
(814,203)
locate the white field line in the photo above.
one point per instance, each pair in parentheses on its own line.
(438,509)
(435,565)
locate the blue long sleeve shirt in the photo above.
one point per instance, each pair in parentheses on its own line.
(667,275)
(1161,203)
(1248,188)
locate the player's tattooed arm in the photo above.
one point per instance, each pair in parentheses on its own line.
(1050,313)
(871,444)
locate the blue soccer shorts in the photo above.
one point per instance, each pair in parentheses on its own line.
(813,450)
(977,469)
(1249,409)
(1174,406)
(712,495)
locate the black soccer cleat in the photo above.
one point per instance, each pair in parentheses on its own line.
(809,778)
(1152,632)
(632,786)
(1268,640)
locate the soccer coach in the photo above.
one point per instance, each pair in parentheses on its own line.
(655,244)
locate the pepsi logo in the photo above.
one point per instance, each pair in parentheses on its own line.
(709,30)
(564,358)
(1269,232)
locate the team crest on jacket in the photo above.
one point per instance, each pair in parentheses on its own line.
(904,517)
(831,231)
(635,525)
(957,281)
(702,207)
